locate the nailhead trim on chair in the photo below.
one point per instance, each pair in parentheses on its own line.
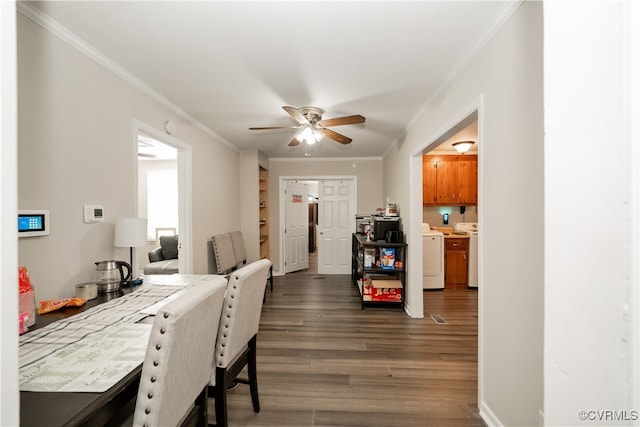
(164,396)
(153,379)
(228,316)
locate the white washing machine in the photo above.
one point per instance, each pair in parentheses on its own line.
(471,228)
(432,258)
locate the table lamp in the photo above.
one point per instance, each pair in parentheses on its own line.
(130,232)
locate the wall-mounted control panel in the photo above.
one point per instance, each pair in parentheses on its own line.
(93,213)
(33,223)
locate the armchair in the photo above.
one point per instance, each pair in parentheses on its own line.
(164,260)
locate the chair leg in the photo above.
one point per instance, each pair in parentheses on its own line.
(221,398)
(253,374)
(271,277)
(201,402)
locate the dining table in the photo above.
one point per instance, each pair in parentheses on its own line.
(81,366)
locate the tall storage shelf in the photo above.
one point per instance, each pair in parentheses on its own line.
(263,203)
(379,278)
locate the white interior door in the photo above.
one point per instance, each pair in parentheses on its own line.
(296,232)
(336,223)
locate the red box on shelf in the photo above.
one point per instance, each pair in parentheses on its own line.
(382,290)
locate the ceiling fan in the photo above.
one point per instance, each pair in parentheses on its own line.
(313,126)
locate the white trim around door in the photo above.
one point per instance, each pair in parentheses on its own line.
(279,269)
(184,188)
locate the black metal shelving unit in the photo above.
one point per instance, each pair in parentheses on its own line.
(359,272)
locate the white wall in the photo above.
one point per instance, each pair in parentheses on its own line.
(9,401)
(433,215)
(504,82)
(76,146)
(369,183)
(591,164)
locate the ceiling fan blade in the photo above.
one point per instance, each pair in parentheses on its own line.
(336,136)
(346,120)
(294,142)
(274,127)
(297,115)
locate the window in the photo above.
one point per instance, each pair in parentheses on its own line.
(162,201)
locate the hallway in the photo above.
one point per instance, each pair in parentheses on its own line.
(322,361)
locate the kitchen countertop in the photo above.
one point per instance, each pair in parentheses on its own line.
(450,234)
(456,236)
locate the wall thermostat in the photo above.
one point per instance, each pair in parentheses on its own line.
(33,223)
(93,213)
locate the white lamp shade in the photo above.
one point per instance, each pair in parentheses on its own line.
(130,232)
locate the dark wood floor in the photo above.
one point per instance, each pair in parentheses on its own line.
(322,361)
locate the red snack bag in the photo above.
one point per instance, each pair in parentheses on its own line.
(24,282)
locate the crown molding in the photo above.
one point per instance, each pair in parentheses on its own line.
(58,30)
(501,18)
(323,159)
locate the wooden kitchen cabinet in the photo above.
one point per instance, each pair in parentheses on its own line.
(429,181)
(456,258)
(467,174)
(450,180)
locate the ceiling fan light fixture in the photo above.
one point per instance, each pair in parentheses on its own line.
(309,135)
(313,127)
(462,146)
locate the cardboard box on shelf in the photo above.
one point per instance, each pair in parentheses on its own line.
(382,288)
(365,289)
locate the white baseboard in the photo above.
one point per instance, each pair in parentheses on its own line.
(488,416)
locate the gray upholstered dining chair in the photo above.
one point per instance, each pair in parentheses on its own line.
(227,253)
(224,257)
(237,335)
(240,252)
(177,364)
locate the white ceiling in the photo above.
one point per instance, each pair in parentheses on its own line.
(233,65)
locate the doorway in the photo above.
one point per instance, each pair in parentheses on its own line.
(417,297)
(166,161)
(332,206)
